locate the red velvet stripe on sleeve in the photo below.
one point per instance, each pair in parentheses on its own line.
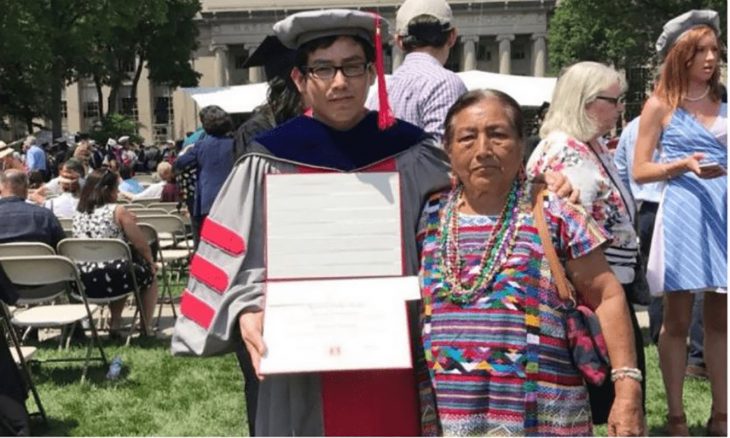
(196,310)
(222,237)
(388,165)
(209,274)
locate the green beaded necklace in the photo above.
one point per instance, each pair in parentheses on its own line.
(498,249)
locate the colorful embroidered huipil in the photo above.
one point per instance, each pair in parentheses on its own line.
(500,364)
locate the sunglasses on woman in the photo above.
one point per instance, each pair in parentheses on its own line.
(613,100)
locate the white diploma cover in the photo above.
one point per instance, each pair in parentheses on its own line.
(335,294)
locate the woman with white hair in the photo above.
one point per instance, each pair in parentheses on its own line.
(586,104)
(165,190)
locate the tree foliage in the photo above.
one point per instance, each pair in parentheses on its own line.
(621,33)
(618,32)
(160,34)
(46,44)
(114,126)
(23,62)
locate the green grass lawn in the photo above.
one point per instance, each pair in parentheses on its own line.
(162,395)
(157,394)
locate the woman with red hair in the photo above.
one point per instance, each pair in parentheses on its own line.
(687,117)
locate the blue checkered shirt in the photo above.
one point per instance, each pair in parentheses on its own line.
(421,91)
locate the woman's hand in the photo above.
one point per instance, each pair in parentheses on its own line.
(626,417)
(694,163)
(36,196)
(559,184)
(598,287)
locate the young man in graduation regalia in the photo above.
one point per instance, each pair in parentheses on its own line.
(337,55)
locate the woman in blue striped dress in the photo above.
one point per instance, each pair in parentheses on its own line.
(493,323)
(689,246)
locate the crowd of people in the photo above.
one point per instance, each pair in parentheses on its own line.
(492,233)
(474,247)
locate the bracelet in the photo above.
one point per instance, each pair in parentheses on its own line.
(626,372)
(667,175)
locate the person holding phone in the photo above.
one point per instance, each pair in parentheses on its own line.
(689,245)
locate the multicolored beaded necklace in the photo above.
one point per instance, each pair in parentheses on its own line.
(498,248)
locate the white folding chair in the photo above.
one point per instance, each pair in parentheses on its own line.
(19,249)
(30,275)
(21,355)
(169,207)
(25,249)
(170,226)
(166,294)
(99,250)
(66,225)
(171,260)
(134,207)
(149,212)
(150,234)
(147,201)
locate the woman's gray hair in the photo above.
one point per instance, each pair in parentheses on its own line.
(578,86)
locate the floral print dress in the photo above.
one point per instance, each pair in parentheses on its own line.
(601,193)
(110,278)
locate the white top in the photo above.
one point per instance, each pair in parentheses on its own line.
(719,128)
(154,191)
(63,206)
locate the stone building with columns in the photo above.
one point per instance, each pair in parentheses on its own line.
(504,36)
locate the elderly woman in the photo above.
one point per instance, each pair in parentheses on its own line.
(212,157)
(586,104)
(688,254)
(494,326)
(99,217)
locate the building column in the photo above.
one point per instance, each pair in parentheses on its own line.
(505,53)
(255,74)
(397,56)
(539,51)
(469,52)
(74,108)
(221,64)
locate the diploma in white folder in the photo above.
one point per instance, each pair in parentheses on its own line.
(335,294)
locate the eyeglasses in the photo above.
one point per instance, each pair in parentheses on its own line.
(329,71)
(614,100)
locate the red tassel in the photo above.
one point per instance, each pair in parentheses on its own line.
(386,119)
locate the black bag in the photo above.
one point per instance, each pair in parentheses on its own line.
(638,290)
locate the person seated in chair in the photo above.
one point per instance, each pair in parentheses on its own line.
(99,217)
(165,190)
(23,221)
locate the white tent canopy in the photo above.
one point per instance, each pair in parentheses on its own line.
(526,90)
(235,99)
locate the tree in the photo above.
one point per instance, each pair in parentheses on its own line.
(171,64)
(68,26)
(46,44)
(617,32)
(115,126)
(160,34)
(23,63)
